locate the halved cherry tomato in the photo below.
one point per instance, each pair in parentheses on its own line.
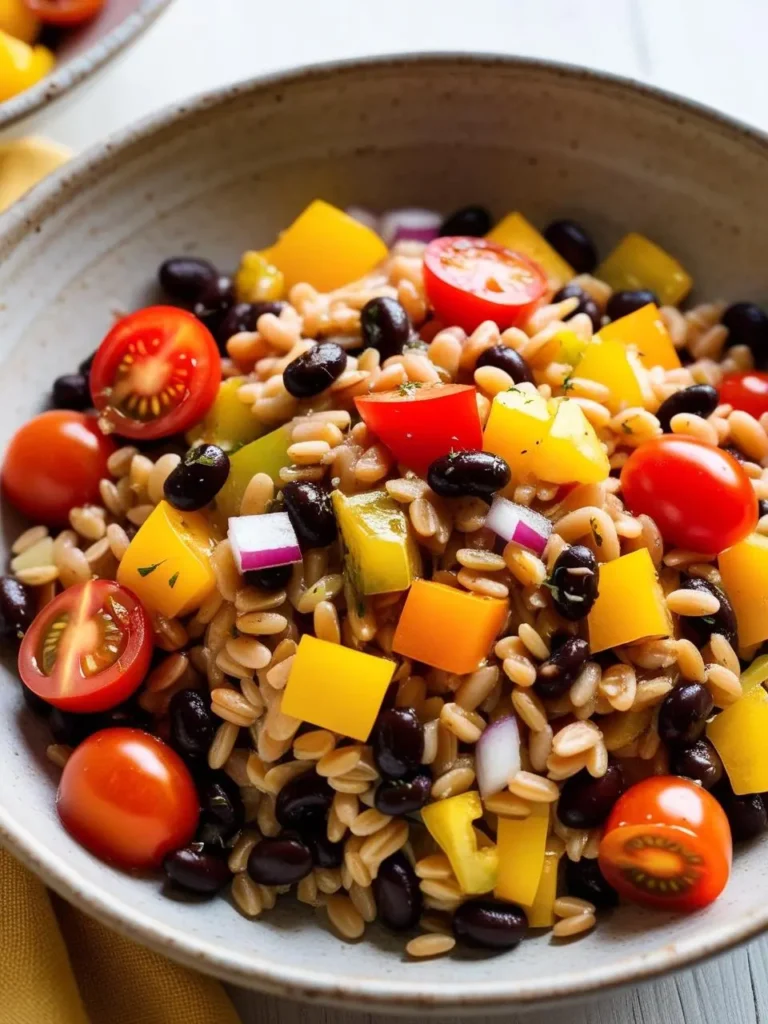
(698,495)
(88,649)
(156,373)
(128,798)
(65,12)
(53,463)
(421,422)
(469,280)
(746,391)
(667,844)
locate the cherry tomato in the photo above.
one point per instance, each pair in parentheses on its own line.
(667,844)
(156,373)
(53,463)
(419,423)
(89,649)
(128,798)
(469,280)
(699,496)
(65,12)
(746,391)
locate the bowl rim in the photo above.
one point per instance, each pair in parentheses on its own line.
(66,76)
(367,993)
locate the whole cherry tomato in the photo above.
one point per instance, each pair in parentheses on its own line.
(156,373)
(65,12)
(53,463)
(469,280)
(698,495)
(88,649)
(746,391)
(667,844)
(128,798)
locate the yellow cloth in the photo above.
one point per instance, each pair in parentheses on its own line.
(60,967)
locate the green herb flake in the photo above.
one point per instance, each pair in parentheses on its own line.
(596,533)
(172,580)
(626,427)
(410,387)
(568,384)
(145,570)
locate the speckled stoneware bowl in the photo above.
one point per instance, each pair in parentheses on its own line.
(83,51)
(224,173)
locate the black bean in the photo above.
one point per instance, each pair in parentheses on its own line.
(198,869)
(325,854)
(72,728)
(574,582)
(586,304)
(87,363)
(192,723)
(398,742)
(314,371)
(556,674)
(699,761)
(404,796)
(762,507)
(214,304)
(623,303)
(243,316)
(747,815)
(683,714)
(269,579)
(128,715)
(311,513)
(198,478)
(385,326)
(699,399)
(585,802)
(734,452)
(748,325)
(699,628)
(303,801)
(583,878)
(468,474)
(18,607)
(505,358)
(574,243)
(486,923)
(186,279)
(470,221)
(397,893)
(280,861)
(72,392)
(222,813)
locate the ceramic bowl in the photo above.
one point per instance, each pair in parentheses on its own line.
(225,172)
(83,51)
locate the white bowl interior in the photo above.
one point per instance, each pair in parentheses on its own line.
(226,174)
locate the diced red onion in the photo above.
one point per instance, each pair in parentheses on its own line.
(262,542)
(367,217)
(410,224)
(515,522)
(497,756)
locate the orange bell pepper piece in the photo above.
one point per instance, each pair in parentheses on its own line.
(744,568)
(630,603)
(644,329)
(516,233)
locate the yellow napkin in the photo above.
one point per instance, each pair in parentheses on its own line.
(61,967)
(23,162)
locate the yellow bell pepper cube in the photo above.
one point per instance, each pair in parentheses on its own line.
(380,553)
(516,233)
(336,688)
(637,262)
(521,843)
(739,734)
(755,674)
(449,822)
(608,362)
(744,569)
(229,423)
(541,913)
(448,628)
(258,280)
(645,331)
(571,348)
(630,603)
(18,21)
(325,247)
(267,454)
(21,65)
(167,564)
(571,451)
(517,425)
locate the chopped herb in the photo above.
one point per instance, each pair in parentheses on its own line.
(708,619)
(568,384)
(407,390)
(524,451)
(596,533)
(145,570)
(626,427)
(172,580)
(202,460)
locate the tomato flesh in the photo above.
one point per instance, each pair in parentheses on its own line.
(54,463)
(746,391)
(155,374)
(419,423)
(698,495)
(469,280)
(65,12)
(128,798)
(667,844)
(88,649)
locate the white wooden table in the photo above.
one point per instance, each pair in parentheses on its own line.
(711,50)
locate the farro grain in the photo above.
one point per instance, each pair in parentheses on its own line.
(306,890)
(265,817)
(248,599)
(311,746)
(119,462)
(446,890)
(248,652)
(434,866)
(619,686)
(530,708)
(748,435)
(585,686)
(651,692)
(476,687)
(692,603)
(160,472)
(535,788)
(430,944)
(168,672)
(340,761)
(225,570)
(567,927)
(597,760)
(368,822)
(344,916)
(561,768)
(456,780)
(271,749)
(29,538)
(346,807)
(724,654)
(232,707)
(520,670)
(223,744)
(383,844)
(363,901)
(261,623)
(58,753)
(533,642)
(723,684)
(328,880)
(694,426)
(479,583)
(540,748)
(246,895)
(87,522)
(257,495)
(690,661)
(236,767)
(575,738)
(277,777)
(570,906)
(238,858)
(466,725)
(278,673)
(678,558)
(430,742)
